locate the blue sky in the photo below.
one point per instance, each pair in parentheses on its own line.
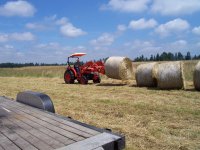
(50,30)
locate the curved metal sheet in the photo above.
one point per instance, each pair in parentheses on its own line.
(36,99)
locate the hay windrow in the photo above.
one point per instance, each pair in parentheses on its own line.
(144,76)
(169,75)
(196,77)
(119,68)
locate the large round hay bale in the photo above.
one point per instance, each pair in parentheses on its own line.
(169,75)
(144,76)
(196,77)
(119,68)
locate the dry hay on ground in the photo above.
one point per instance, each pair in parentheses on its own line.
(119,68)
(149,119)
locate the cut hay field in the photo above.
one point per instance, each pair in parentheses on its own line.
(148,117)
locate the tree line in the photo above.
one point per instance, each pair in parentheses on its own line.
(167,57)
(18,65)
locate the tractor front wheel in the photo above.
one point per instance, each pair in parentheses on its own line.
(97,80)
(69,77)
(84,80)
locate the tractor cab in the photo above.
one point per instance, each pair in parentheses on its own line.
(77,63)
(82,73)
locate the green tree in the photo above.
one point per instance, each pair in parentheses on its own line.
(188,56)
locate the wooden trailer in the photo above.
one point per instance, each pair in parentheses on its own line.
(31,124)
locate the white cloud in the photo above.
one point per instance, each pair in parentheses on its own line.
(126,5)
(139,45)
(66,28)
(105,39)
(35,26)
(9,54)
(69,30)
(9,46)
(198,44)
(175,7)
(47,23)
(176,46)
(196,30)
(17,8)
(51,18)
(62,21)
(121,27)
(53,52)
(174,26)
(146,48)
(24,36)
(142,24)
(179,43)
(50,45)
(3,37)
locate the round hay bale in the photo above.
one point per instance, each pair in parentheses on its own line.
(143,75)
(196,77)
(169,75)
(119,68)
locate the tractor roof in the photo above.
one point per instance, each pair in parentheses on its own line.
(77,54)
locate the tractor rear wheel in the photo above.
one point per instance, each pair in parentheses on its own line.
(97,80)
(69,77)
(84,80)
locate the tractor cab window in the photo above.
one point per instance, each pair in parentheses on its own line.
(77,66)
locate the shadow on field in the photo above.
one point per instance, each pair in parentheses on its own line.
(191,90)
(111,84)
(157,89)
(133,85)
(154,89)
(76,83)
(149,88)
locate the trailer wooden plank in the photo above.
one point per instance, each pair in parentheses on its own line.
(20,117)
(6,144)
(58,118)
(20,142)
(60,138)
(26,135)
(1,148)
(55,123)
(44,137)
(49,126)
(39,119)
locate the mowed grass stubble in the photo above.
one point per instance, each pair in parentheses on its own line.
(148,117)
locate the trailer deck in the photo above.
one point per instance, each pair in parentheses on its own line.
(28,128)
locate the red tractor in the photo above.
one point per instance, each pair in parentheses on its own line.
(83,73)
